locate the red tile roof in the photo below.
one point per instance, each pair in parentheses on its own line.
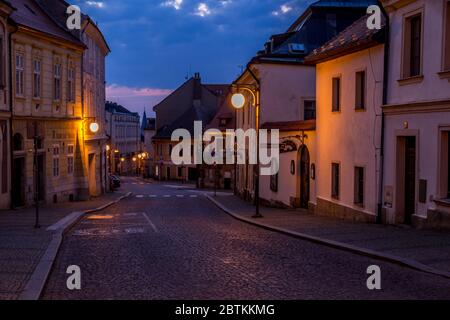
(355,38)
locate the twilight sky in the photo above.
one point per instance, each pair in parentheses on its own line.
(156,43)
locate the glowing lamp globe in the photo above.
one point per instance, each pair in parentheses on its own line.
(238,100)
(94,127)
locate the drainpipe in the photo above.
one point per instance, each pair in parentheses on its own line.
(385,98)
(11,63)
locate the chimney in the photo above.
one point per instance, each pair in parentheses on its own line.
(197,86)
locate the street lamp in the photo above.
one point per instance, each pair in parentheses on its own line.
(238,101)
(94,127)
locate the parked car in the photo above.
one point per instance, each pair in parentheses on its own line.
(114,182)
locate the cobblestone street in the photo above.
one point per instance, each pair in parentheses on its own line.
(170,243)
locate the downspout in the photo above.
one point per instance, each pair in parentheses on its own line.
(11,63)
(385,98)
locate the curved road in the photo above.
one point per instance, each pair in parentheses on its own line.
(169,243)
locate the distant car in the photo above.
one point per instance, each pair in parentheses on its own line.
(114,181)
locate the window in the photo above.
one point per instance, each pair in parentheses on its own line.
(2,65)
(309,109)
(57,82)
(359,186)
(180,172)
(71,84)
(36,78)
(412,46)
(360,90)
(274,178)
(223,122)
(70,161)
(447,37)
(168,173)
(56,161)
(19,74)
(170,150)
(331,27)
(448,165)
(17,142)
(336,94)
(335,180)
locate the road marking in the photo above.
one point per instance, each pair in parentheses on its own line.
(150,222)
(180,196)
(134,230)
(167,196)
(139,196)
(193,196)
(131,214)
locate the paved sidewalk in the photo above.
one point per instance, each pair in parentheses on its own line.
(425,250)
(22,246)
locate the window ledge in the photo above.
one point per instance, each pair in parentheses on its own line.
(445,74)
(410,80)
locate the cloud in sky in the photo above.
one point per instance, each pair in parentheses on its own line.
(176,4)
(203,10)
(136,99)
(118,91)
(283,9)
(158,43)
(96,4)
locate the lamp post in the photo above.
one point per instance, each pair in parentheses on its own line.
(238,101)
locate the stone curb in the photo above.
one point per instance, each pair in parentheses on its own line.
(335,244)
(36,283)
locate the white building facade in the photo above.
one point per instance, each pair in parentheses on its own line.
(417,112)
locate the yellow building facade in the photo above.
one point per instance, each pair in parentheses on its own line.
(47,104)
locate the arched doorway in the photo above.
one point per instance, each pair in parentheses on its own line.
(304,176)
